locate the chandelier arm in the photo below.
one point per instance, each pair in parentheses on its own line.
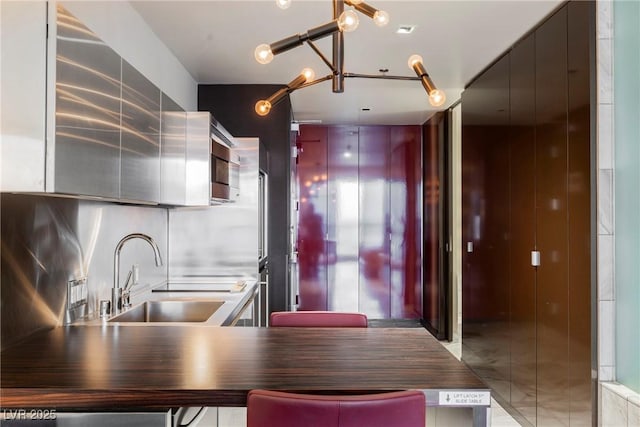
(296,40)
(320,54)
(364,8)
(287,43)
(379,76)
(322,31)
(338,51)
(421,72)
(315,82)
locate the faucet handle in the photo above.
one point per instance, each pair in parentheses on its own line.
(133,277)
(135,268)
(129,280)
(126,298)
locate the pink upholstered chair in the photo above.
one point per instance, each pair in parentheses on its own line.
(318,319)
(277,409)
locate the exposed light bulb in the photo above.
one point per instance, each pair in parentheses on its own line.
(381,18)
(283,4)
(263,107)
(437,97)
(413,59)
(263,54)
(309,74)
(348,21)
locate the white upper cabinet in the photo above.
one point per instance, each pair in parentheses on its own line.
(23,45)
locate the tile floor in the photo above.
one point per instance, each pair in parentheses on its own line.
(436,417)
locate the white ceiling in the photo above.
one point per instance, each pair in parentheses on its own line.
(215,41)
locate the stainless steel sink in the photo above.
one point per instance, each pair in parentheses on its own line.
(170,311)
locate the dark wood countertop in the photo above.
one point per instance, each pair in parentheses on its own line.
(129,367)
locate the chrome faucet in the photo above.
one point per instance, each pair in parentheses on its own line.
(117,291)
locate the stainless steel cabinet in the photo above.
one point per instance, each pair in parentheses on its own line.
(78,119)
(140,137)
(172,160)
(197,159)
(86,148)
(60,104)
(206,168)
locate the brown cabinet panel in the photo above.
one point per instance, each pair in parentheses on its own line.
(551,213)
(580,17)
(486,227)
(549,169)
(523,228)
(434,281)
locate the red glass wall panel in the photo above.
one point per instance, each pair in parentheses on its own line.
(405,187)
(364,184)
(342,219)
(312,219)
(374,253)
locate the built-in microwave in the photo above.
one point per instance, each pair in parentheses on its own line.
(225,172)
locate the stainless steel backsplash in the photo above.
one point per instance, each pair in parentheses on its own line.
(47,241)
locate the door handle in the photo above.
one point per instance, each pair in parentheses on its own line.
(535,258)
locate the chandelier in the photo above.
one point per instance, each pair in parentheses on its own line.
(344,21)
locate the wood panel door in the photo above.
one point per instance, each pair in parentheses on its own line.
(581,20)
(543,369)
(485,227)
(436,282)
(552,309)
(523,228)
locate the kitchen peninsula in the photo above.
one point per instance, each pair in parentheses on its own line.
(159,367)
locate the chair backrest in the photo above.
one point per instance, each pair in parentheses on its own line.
(278,409)
(318,319)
